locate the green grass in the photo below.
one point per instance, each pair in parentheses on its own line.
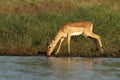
(31,30)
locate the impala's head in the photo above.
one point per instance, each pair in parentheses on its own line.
(51,46)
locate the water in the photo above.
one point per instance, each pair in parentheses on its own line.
(52,68)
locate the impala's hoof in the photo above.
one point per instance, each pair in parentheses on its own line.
(48,55)
(56,55)
(101,52)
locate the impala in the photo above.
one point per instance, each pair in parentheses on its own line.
(73,29)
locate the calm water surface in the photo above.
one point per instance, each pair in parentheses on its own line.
(52,68)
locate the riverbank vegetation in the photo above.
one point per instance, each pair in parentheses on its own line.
(27,25)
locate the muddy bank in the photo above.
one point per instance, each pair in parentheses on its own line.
(115,54)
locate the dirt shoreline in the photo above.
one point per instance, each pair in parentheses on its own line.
(104,55)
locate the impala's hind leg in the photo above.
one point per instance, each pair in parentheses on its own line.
(97,37)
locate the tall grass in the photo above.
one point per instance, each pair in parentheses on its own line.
(32,30)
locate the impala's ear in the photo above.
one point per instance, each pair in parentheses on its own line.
(47,42)
(50,42)
(53,41)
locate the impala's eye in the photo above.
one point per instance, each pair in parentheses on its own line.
(49,47)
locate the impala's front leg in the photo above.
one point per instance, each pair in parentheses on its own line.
(59,46)
(69,37)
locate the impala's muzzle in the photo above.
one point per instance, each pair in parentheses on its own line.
(49,53)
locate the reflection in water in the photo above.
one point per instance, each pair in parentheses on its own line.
(74,68)
(52,68)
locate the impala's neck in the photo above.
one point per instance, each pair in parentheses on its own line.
(54,42)
(58,37)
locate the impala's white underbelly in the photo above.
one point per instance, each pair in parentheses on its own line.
(76,33)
